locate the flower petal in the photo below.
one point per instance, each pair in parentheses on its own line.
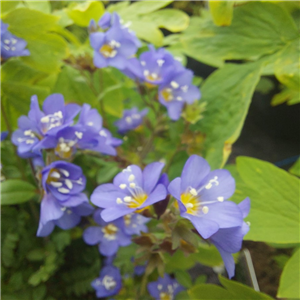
(125,177)
(92,235)
(159,193)
(45,229)
(113,213)
(68,220)
(151,175)
(108,248)
(50,209)
(244,206)
(54,103)
(228,262)
(174,188)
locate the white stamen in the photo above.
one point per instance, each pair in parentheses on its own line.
(179,98)
(13,41)
(90,123)
(6,41)
(189,205)
(63,190)
(79,181)
(210,183)
(55,174)
(122,186)
(45,119)
(143,63)
(221,199)
(154,76)
(29,141)
(160,62)
(128,120)
(146,72)
(56,184)
(114,44)
(174,84)
(205,209)
(160,286)
(65,172)
(193,192)
(63,208)
(132,185)
(78,134)
(248,223)
(131,177)
(127,199)
(119,201)
(69,183)
(13,48)
(102,133)
(58,114)
(184,88)
(108,282)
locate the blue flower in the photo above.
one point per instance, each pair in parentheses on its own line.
(229,240)
(4,135)
(131,119)
(132,190)
(177,90)
(11,45)
(109,235)
(70,218)
(201,196)
(164,288)
(135,223)
(113,47)
(108,283)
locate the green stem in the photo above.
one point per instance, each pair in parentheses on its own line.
(143,285)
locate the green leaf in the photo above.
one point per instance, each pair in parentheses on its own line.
(143,7)
(227,92)
(290,278)
(209,292)
(237,290)
(257,29)
(274,195)
(43,6)
(83,13)
(14,191)
(208,255)
(286,95)
(222,12)
(295,168)
(61,240)
(184,278)
(7,6)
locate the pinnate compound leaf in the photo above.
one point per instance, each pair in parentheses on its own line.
(15,191)
(274,195)
(290,278)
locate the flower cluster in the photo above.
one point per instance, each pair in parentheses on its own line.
(117,47)
(11,45)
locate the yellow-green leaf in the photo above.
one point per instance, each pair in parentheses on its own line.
(222,12)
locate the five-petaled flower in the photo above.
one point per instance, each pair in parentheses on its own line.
(108,283)
(201,196)
(165,288)
(132,190)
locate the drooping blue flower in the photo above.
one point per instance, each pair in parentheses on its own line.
(164,288)
(135,224)
(112,48)
(201,196)
(108,283)
(4,135)
(131,119)
(109,235)
(177,90)
(12,45)
(229,240)
(70,218)
(131,190)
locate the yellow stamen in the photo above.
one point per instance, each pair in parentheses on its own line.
(191,203)
(167,94)
(165,296)
(106,50)
(138,201)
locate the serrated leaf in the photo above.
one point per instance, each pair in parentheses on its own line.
(290,278)
(14,191)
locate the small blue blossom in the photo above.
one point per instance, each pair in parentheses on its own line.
(131,119)
(11,45)
(108,283)
(164,288)
(113,47)
(109,235)
(177,90)
(135,223)
(229,240)
(132,190)
(201,196)
(4,135)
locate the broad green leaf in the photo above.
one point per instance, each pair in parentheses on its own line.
(208,255)
(14,191)
(274,195)
(290,278)
(239,290)
(7,6)
(143,7)
(227,93)
(171,19)
(257,29)
(84,12)
(295,168)
(222,12)
(43,6)
(210,292)
(290,96)
(184,278)
(74,86)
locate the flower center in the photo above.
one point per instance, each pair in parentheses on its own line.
(165,296)
(137,201)
(110,231)
(108,50)
(109,283)
(51,121)
(127,219)
(167,94)
(191,203)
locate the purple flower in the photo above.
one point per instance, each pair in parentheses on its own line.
(201,196)
(112,48)
(4,135)
(164,288)
(55,114)
(109,235)
(131,119)
(132,190)
(108,283)
(105,21)
(135,223)
(229,240)
(70,218)
(176,91)
(11,45)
